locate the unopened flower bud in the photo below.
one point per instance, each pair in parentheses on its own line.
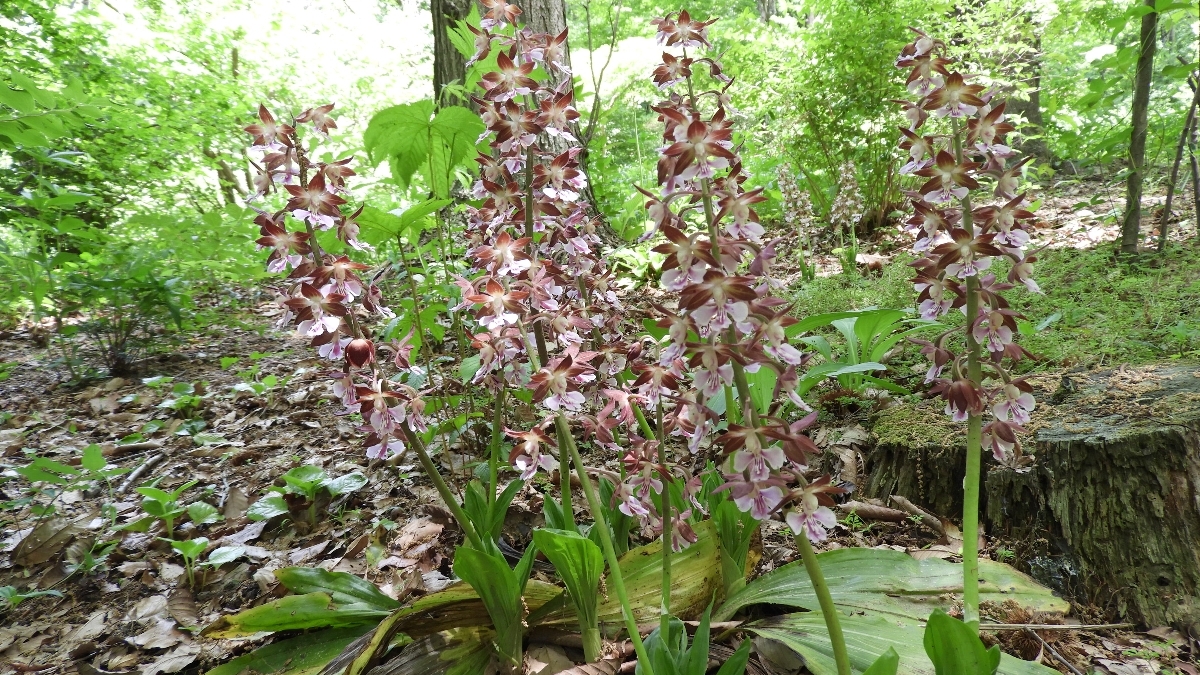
(360,352)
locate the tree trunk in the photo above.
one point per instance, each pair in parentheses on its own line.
(1173,177)
(1106,507)
(449,65)
(1130,229)
(545,16)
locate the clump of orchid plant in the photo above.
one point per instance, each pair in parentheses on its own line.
(962,228)
(547,319)
(327,301)
(797,216)
(724,323)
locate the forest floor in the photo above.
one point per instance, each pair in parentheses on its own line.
(129,608)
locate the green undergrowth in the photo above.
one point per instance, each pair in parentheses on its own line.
(1095,311)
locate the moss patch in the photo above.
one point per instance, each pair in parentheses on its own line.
(917,425)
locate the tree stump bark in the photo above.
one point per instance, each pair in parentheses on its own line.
(1110,487)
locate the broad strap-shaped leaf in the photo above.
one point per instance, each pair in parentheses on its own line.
(867,638)
(887,663)
(343,588)
(954,647)
(500,589)
(579,563)
(303,655)
(695,581)
(293,612)
(891,583)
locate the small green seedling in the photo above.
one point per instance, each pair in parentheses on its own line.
(309,482)
(160,505)
(183,399)
(190,549)
(203,513)
(222,555)
(10,597)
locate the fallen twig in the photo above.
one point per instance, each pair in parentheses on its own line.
(872,511)
(140,471)
(1053,626)
(1054,652)
(927,519)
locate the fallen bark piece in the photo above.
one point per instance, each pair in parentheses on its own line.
(873,512)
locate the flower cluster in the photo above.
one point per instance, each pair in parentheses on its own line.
(327,300)
(847,208)
(959,240)
(725,323)
(547,316)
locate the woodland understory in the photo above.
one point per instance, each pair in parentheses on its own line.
(814,340)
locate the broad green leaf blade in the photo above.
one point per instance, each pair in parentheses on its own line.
(305,477)
(463,651)
(499,588)
(891,583)
(294,612)
(400,134)
(93,458)
(267,507)
(867,638)
(203,513)
(351,482)
(343,588)
(887,664)
(955,648)
(816,321)
(303,655)
(579,562)
(695,579)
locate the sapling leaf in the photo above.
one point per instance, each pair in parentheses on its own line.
(93,458)
(351,482)
(203,513)
(190,549)
(267,507)
(224,554)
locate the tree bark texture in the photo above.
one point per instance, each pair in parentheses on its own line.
(545,16)
(449,65)
(1130,228)
(1173,178)
(1105,510)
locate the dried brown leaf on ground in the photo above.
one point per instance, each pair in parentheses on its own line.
(47,539)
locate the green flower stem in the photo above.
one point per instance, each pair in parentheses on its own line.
(665,612)
(563,431)
(970,528)
(444,490)
(494,445)
(832,623)
(606,543)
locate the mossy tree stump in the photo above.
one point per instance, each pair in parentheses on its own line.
(1111,488)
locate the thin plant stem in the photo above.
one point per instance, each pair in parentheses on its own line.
(606,543)
(494,445)
(665,613)
(970,528)
(828,610)
(444,490)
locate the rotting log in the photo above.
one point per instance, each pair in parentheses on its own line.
(1108,496)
